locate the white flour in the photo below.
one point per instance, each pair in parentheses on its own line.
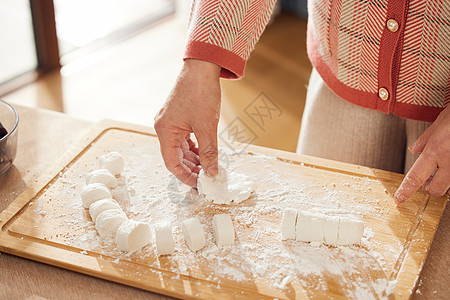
(148,192)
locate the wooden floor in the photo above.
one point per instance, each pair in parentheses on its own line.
(129,82)
(279,68)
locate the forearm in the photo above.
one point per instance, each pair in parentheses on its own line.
(201,68)
(225,32)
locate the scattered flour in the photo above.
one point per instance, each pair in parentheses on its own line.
(147,192)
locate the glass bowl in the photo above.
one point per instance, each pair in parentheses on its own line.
(9,119)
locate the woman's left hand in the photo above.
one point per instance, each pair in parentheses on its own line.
(432,169)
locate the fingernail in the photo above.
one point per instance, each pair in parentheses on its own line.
(398,202)
(399,198)
(412,148)
(212,170)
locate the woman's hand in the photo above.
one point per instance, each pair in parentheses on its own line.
(193,106)
(432,168)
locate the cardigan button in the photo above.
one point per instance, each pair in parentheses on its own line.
(383,94)
(392,25)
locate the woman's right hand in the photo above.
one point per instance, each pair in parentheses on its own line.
(193,106)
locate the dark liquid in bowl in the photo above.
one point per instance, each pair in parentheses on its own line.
(3,131)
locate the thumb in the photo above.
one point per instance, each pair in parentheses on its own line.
(421,142)
(207,150)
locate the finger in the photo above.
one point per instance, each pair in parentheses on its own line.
(186,172)
(180,168)
(439,183)
(417,175)
(190,180)
(208,154)
(427,182)
(192,146)
(193,167)
(190,174)
(421,142)
(196,169)
(188,154)
(173,157)
(172,154)
(191,156)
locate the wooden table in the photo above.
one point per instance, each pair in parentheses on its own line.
(43,137)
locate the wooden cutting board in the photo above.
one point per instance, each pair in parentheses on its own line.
(47,223)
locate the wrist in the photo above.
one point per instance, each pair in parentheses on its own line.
(202,67)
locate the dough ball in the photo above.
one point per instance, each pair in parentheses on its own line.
(331,230)
(94,192)
(223,230)
(193,234)
(102,176)
(309,227)
(164,239)
(132,235)
(225,187)
(288,224)
(351,231)
(108,222)
(100,206)
(112,161)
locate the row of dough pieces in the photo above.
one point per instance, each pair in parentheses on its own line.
(110,220)
(301,226)
(318,227)
(112,223)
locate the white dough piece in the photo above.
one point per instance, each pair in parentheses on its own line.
(108,222)
(288,224)
(225,187)
(100,206)
(164,239)
(240,187)
(94,192)
(351,231)
(101,176)
(132,235)
(214,188)
(309,227)
(194,234)
(112,161)
(223,230)
(331,230)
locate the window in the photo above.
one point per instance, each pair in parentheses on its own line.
(17,51)
(39,35)
(85,25)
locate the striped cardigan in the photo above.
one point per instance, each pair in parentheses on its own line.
(392,56)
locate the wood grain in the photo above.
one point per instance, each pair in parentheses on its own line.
(408,229)
(44,136)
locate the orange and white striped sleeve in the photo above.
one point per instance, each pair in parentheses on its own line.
(225,32)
